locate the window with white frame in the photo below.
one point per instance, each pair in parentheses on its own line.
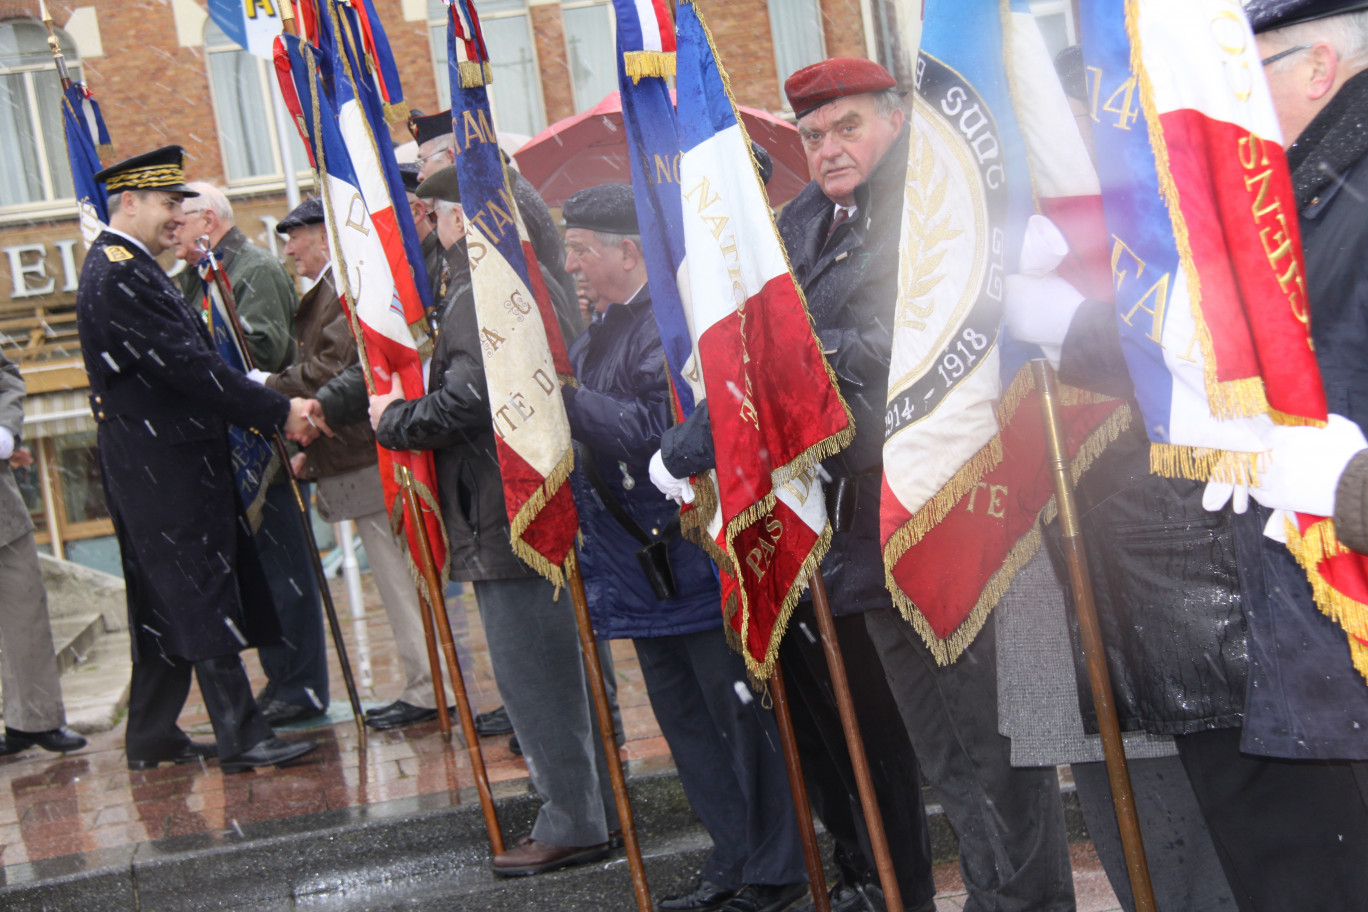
(515,96)
(35,173)
(796,29)
(591,49)
(241,86)
(1056,22)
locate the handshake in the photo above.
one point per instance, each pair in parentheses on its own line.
(306,421)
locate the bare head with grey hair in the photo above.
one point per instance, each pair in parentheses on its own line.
(1307,63)
(209,214)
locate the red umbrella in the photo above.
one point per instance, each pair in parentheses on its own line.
(590,148)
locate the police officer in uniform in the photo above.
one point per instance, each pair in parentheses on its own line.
(163,398)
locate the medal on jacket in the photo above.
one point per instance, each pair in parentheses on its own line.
(628,482)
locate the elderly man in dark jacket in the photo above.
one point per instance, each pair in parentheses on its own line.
(725,747)
(163,398)
(533,641)
(34,714)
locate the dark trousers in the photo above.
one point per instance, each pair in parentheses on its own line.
(297,668)
(1014,849)
(827,771)
(1291,834)
(726,748)
(157,695)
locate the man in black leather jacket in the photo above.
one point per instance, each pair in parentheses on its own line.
(532,637)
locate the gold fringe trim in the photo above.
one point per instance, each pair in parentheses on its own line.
(759,672)
(944,500)
(1320,543)
(947,650)
(1232,398)
(528,512)
(473,74)
(694,524)
(1358,651)
(1287,420)
(396,112)
(104,150)
(1202,464)
(640,64)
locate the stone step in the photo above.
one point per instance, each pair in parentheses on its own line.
(73,638)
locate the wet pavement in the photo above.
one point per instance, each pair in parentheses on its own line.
(62,814)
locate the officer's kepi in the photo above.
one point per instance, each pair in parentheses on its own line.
(160,169)
(1266,15)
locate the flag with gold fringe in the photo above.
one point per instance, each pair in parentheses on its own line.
(1207,260)
(966,486)
(524,355)
(773,402)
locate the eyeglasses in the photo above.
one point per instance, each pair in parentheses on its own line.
(422,159)
(1281,54)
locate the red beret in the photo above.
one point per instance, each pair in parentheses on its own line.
(815,85)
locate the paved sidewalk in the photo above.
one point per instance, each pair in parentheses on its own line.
(52,807)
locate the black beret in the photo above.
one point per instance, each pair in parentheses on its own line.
(1266,15)
(763,163)
(431,126)
(442,186)
(610,208)
(160,169)
(409,172)
(309,212)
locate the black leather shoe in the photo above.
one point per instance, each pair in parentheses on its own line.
(514,747)
(381,710)
(278,712)
(494,722)
(706,896)
(271,752)
(401,714)
(192,751)
(58,740)
(765,898)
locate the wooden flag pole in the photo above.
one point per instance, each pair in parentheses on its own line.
(594,669)
(812,854)
(1123,797)
(869,801)
(301,508)
(435,599)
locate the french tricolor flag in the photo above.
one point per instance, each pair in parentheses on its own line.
(773,402)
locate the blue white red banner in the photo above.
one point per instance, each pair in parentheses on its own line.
(252,24)
(772,400)
(85,136)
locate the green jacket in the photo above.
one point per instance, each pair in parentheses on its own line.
(265,297)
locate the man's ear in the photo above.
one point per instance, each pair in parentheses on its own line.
(128,203)
(631,254)
(897,118)
(1324,65)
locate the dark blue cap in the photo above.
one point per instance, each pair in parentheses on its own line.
(309,212)
(1266,15)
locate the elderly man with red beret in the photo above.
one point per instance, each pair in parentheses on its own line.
(842,235)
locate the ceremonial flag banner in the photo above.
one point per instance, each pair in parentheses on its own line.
(773,402)
(252,24)
(381,320)
(86,137)
(1207,260)
(524,354)
(254,458)
(965,483)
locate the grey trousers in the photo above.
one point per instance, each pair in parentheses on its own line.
(1014,850)
(33,692)
(534,649)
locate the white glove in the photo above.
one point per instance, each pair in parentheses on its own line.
(258,376)
(1038,305)
(1304,465)
(6,444)
(1276,527)
(677,489)
(1219,493)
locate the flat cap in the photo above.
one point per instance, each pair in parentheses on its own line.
(160,169)
(1266,15)
(442,186)
(609,208)
(309,212)
(431,126)
(840,77)
(409,172)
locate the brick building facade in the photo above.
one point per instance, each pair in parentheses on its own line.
(164,73)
